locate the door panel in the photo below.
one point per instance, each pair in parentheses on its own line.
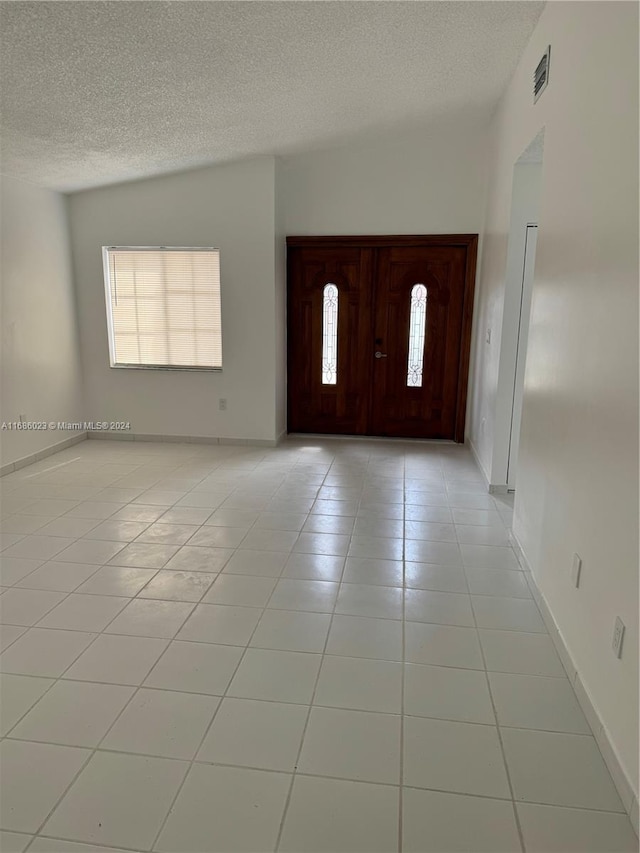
(315,406)
(376,278)
(428,409)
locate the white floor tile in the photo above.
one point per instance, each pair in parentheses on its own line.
(14,842)
(220,623)
(442,645)
(294,594)
(366,570)
(489,557)
(376,548)
(177,586)
(195,668)
(90,551)
(115,580)
(117,530)
(437,578)
(44,652)
(37,547)
(558,769)
(273,611)
(475,534)
(291,630)
(19,693)
(9,634)
(27,606)
(507,614)
(84,612)
(143,555)
(71,527)
(168,534)
(431,531)
(336,524)
(117,660)
(378,602)
(276,675)
(527,654)
(226,809)
(336,816)
(39,775)
(293,521)
(14,569)
(249,733)
(549,829)
(424,551)
(322,543)
(444,608)
(163,723)
(210,536)
(535,702)
(196,559)
(360,684)
(149,618)
(356,636)
(322,567)
(434,822)
(447,693)
(497,582)
(354,745)
(58,577)
(260,563)
(450,756)
(98,806)
(73,713)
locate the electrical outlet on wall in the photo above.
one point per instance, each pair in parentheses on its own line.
(576,568)
(222,404)
(618,637)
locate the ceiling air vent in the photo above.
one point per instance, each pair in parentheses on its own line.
(541,76)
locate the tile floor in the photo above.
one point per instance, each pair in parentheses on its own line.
(328,646)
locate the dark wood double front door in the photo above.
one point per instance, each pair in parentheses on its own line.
(379,333)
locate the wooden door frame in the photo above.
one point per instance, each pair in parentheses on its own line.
(469,242)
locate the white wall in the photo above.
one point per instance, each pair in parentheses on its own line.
(429,181)
(491,403)
(578,467)
(280,306)
(231,207)
(41,376)
(423,182)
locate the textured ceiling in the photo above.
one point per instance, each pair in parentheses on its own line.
(99,92)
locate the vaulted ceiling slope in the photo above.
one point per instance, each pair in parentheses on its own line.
(100,92)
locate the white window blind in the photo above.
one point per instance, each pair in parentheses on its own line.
(163,307)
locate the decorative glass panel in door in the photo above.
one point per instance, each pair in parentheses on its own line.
(329,334)
(417,328)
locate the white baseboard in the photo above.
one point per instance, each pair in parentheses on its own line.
(499,489)
(478,462)
(492,488)
(621,781)
(106,435)
(42,454)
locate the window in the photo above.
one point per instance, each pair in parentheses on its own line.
(163,307)
(417,329)
(330,335)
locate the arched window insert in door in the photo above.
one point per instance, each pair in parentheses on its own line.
(417,331)
(329,334)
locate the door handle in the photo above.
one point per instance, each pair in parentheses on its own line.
(379,354)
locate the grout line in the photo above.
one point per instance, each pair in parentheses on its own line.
(502,749)
(308,717)
(402,683)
